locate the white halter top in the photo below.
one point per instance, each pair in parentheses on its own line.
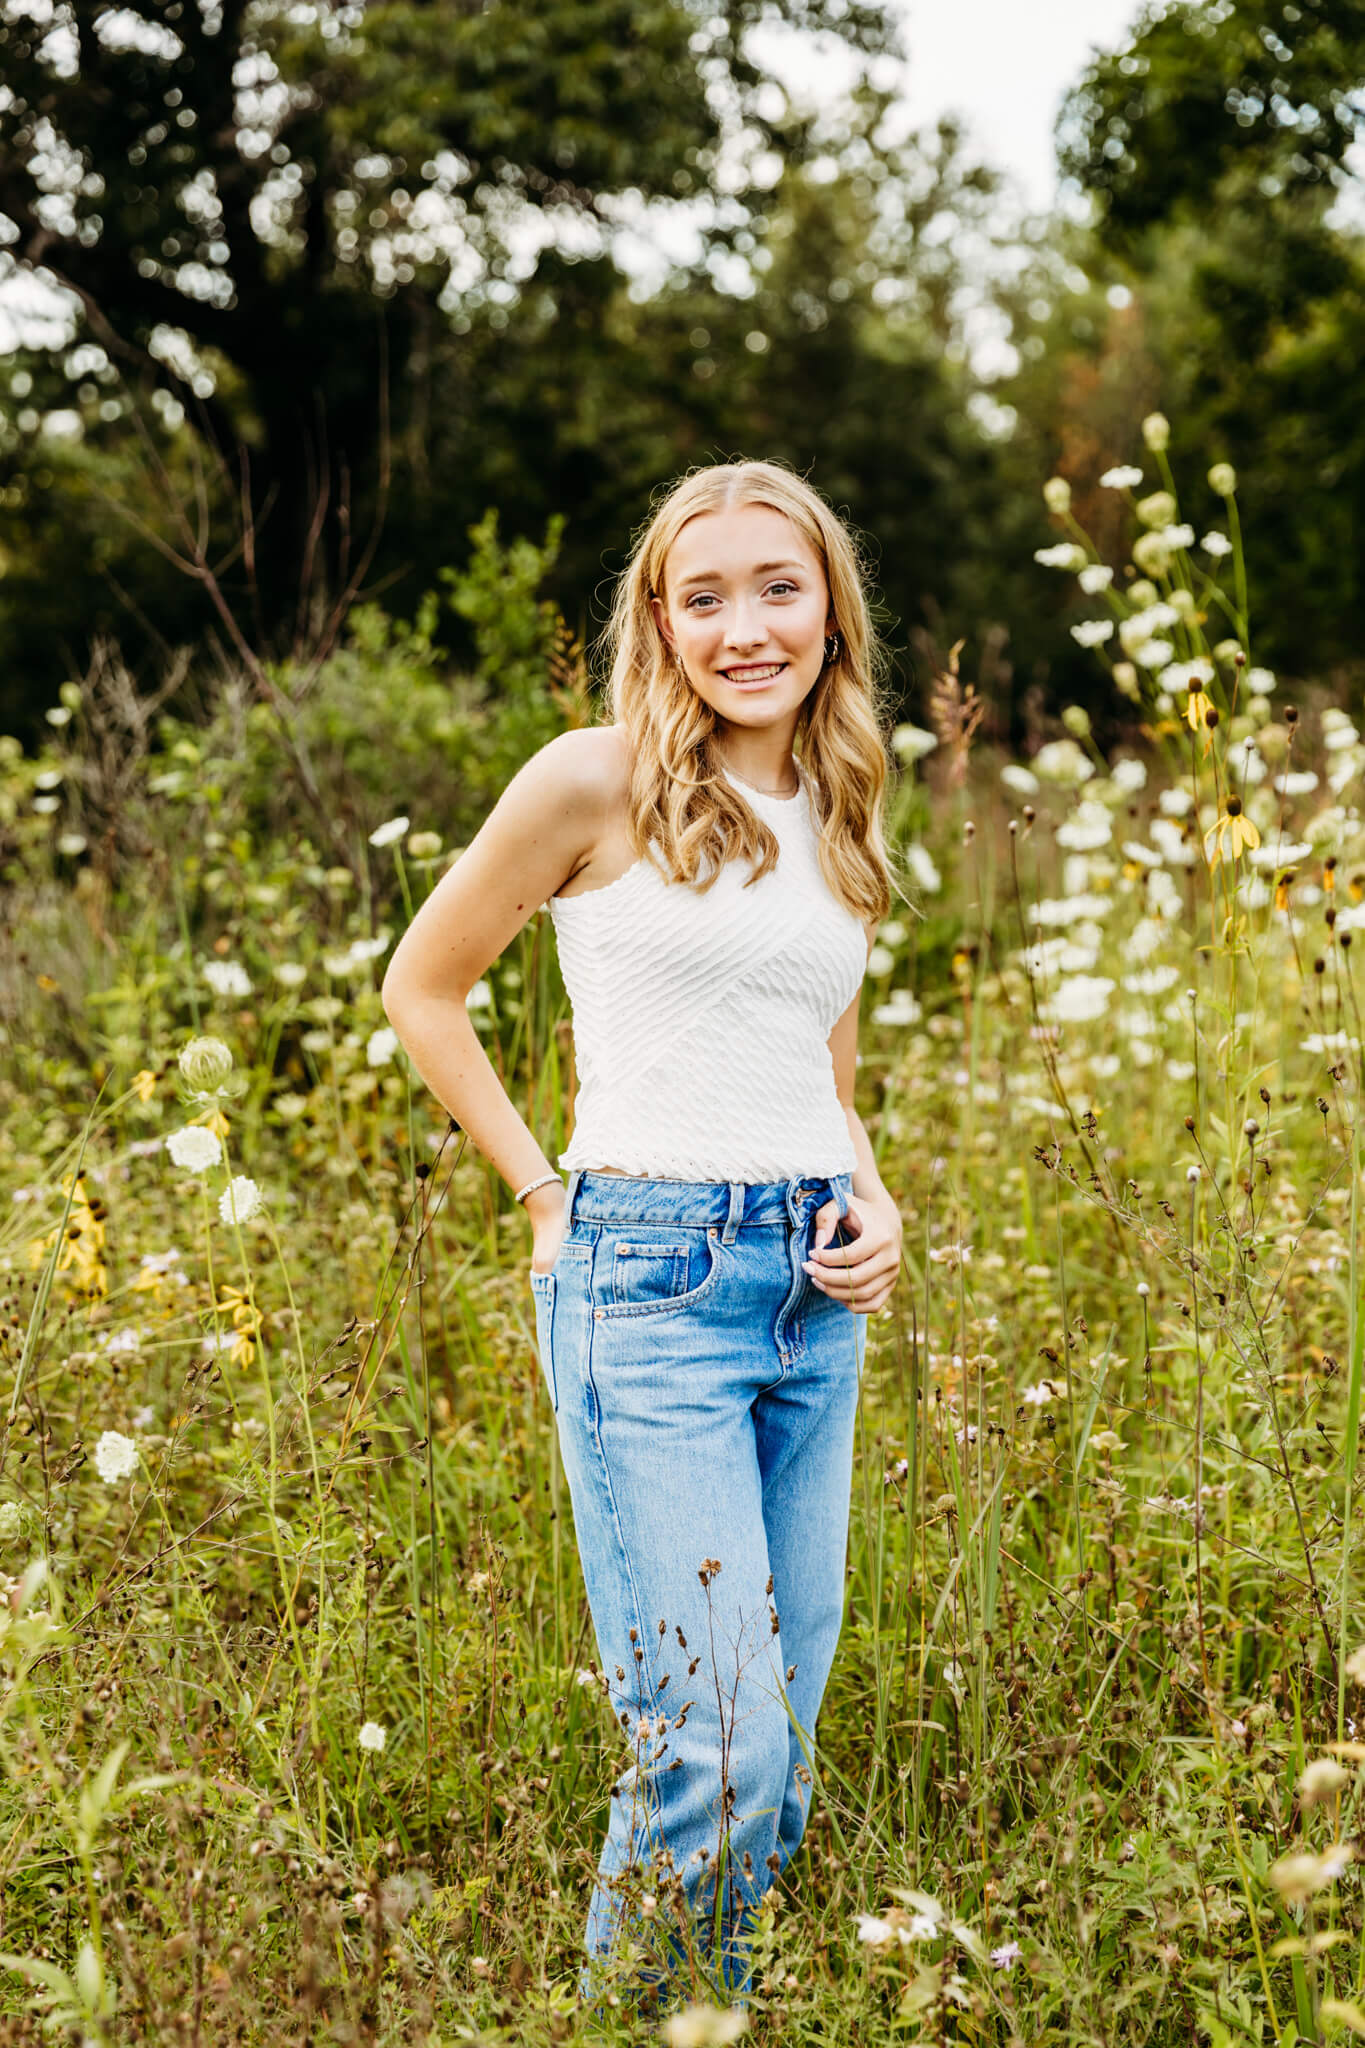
(701,1022)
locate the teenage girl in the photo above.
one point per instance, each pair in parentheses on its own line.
(715,870)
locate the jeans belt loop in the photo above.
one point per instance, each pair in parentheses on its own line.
(575,1176)
(736,1211)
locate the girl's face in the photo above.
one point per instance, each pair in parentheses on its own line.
(746,606)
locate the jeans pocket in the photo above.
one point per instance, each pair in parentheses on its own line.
(543,1295)
(658,1277)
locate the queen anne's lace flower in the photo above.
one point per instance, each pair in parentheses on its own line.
(116,1456)
(240,1200)
(195,1148)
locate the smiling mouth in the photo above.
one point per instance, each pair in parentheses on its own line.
(759,673)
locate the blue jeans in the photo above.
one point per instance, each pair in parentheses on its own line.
(705,1394)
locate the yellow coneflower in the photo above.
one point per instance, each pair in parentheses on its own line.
(1197,705)
(1282,889)
(144,1085)
(1234,827)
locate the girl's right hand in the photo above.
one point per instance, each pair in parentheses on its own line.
(549,1231)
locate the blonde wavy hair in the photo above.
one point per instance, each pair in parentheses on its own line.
(680,800)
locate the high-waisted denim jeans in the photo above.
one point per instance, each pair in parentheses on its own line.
(705,1394)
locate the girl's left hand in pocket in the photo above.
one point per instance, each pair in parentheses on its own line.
(864,1273)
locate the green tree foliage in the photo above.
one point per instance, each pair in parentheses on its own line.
(1215,151)
(298,196)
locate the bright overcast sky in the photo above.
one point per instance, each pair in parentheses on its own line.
(1005,65)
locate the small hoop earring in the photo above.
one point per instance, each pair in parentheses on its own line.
(833,648)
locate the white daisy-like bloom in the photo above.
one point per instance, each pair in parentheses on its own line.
(240,1200)
(1175,802)
(480,996)
(1066,554)
(365,950)
(160,1262)
(388,834)
(1181,674)
(893,932)
(1328,1042)
(1063,761)
(900,1008)
(1094,577)
(880,961)
(1144,939)
(290,973)
(70,844)
(1179,536)
(1081,998)
(118,1341)
(1129,775)
(1077,956)
(1245,762)
(1336,737)
(920,862)
(1092,632)
(1164,895)
(1021,780)
(1171,843)
(338,964)
(116,1456)
(1143,856)
(227,977)
(1153,981)
(1295,782)
(1089,826)
(1153,653)
(1260,681)
(1122,477)
(1216,544)
(921,1926)
(1352,919)
(45,805)
(380,1046)
(195,1148)
(372,1734)
(1065,910)
(48,778)
(876,1933)
(912,742)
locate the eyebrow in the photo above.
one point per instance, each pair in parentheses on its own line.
(717,576)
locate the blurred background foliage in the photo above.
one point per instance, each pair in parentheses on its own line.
(344,278)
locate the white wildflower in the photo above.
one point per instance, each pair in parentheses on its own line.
(1065,554)
(921,865)
(899,1008)
(227,977)
(1176,801)
(1021,780)
(1006,1956)
(388,834)
(1089,826)
(116,1456)
(1123,477)
(1063,761)
(1129,775)
(1156,431)
(381,1046)
(1216,544)
(912,742)
(1081,999)
(1260,681)
(240,1200)
(195,1148)
(1153,653)
(290,973)
(372,1736)
(1281,855)
(1092,632)
(1094,577)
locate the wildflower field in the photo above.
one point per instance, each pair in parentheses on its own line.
(301,1736)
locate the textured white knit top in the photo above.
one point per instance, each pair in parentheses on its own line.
(701,1022)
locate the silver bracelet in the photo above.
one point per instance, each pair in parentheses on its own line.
(532,1185)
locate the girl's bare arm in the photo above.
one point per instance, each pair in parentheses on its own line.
(543,826)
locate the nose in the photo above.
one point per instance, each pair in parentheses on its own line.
(744,629)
